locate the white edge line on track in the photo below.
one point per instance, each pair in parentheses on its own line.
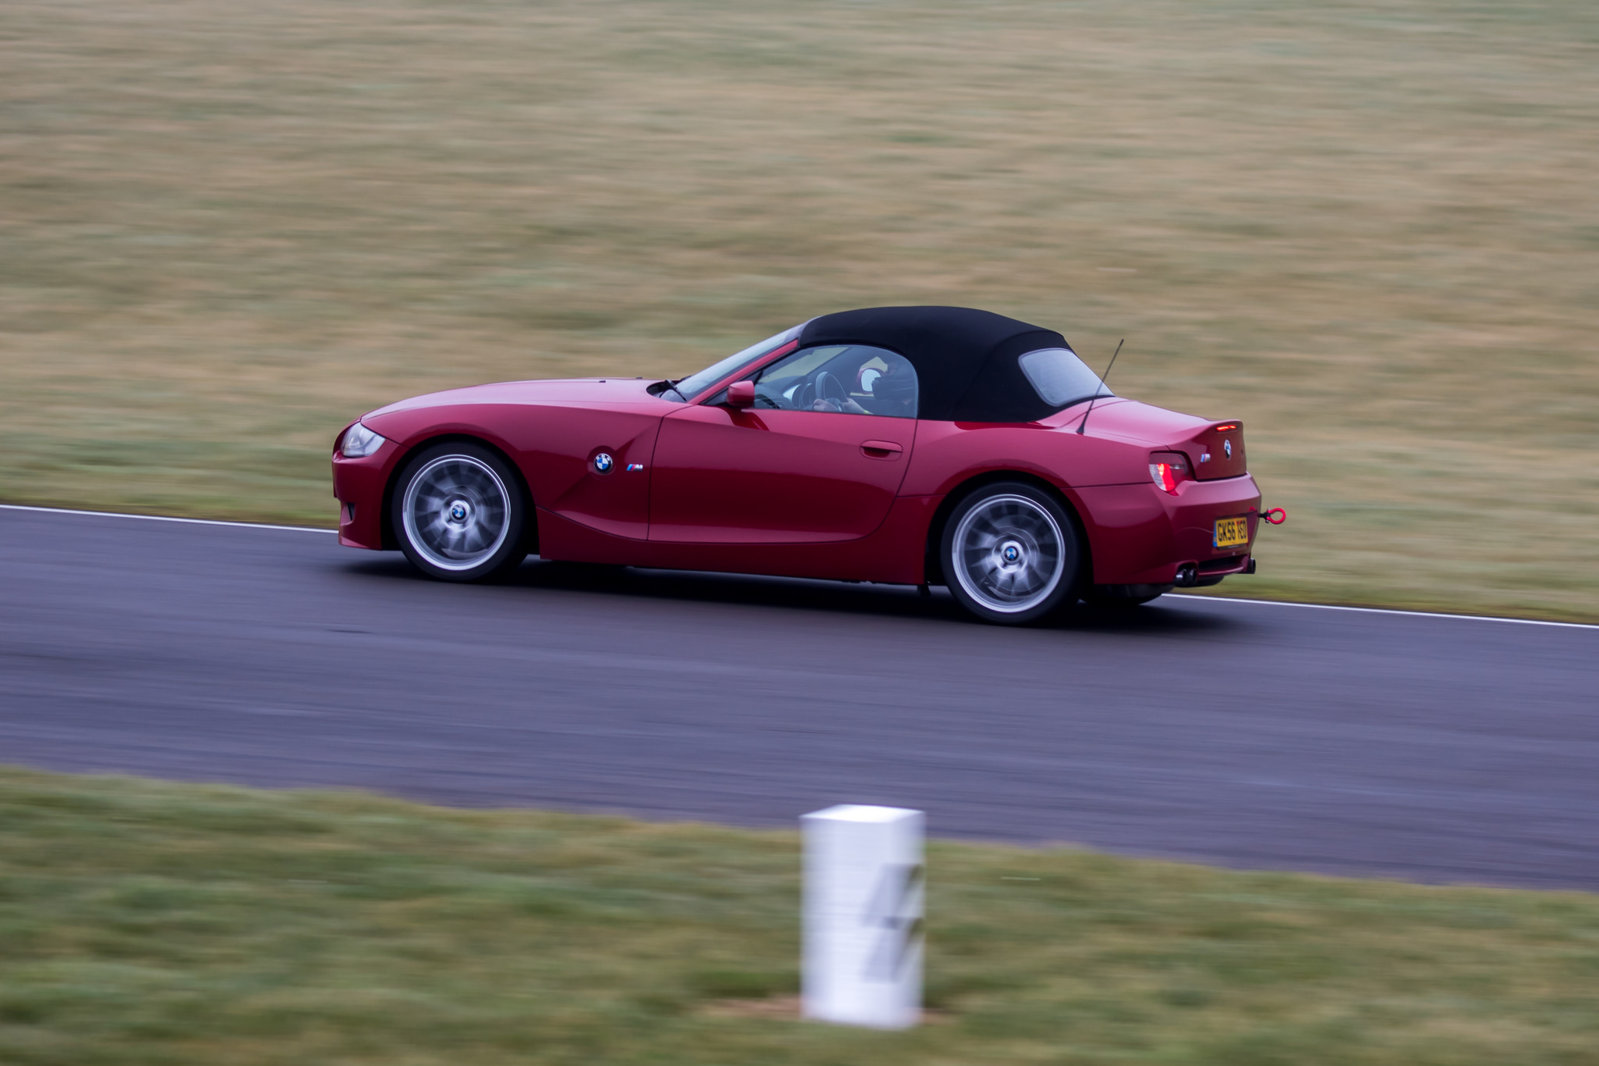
(163,518)
(1397,611)
(1194,599)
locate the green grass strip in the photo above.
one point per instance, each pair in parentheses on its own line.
(144,922)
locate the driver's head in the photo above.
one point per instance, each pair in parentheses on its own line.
(894,392)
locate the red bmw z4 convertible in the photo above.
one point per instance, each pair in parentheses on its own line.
(903,445)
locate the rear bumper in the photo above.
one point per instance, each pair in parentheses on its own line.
(1140,535)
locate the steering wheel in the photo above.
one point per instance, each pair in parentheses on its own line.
(829,388)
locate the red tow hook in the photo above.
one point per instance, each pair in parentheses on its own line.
(1276,516)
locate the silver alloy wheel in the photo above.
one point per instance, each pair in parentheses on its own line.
(1008,553)
(456,512)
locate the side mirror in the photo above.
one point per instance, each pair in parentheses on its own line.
(741,394)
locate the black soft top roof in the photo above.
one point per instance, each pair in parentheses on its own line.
(965,359)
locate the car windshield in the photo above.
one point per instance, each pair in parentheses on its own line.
(694,384)
(1061,378)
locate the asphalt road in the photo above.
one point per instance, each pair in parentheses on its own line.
(1251,735)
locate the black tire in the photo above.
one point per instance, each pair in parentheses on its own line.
(1010,554)
(458,512)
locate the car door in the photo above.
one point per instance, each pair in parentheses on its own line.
(786,472)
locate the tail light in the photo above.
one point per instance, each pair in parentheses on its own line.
(1168,470)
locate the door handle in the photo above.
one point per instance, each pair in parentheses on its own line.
(880,449)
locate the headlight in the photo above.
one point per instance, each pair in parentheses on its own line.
(359,442)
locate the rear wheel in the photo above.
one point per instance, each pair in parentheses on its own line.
(1010,553)
(459,512)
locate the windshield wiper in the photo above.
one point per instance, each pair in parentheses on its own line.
(660,387)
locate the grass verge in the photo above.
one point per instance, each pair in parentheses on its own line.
(143,922)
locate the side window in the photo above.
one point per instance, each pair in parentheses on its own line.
(841,379)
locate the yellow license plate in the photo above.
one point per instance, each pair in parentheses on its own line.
(1231,532)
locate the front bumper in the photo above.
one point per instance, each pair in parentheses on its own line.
(358,485)
(1140,535)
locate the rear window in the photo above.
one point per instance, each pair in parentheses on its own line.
(1059,377)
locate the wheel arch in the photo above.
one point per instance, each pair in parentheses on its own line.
(530,526)
(933,568)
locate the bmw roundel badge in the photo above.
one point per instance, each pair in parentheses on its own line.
(602,463)
(1227,448)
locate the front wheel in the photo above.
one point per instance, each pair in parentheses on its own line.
(459,512)
(1010,553)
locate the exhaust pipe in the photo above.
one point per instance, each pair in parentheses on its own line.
(1185,575)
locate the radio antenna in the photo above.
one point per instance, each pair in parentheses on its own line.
(1084,423)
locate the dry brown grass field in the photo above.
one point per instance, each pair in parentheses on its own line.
(1369,229)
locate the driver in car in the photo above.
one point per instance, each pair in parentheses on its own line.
(893,393)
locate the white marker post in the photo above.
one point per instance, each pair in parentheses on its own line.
(864,892)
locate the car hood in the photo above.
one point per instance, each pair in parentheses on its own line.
(569,392)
